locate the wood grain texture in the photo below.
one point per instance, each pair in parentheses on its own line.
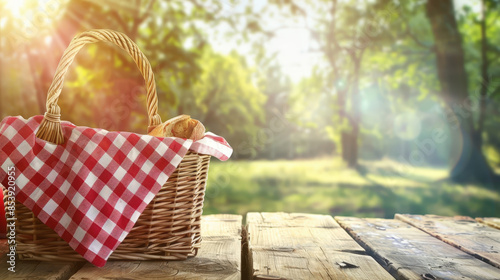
(408,253)
(479,240)
(35,270)
(218,258)
(304,246)
(492,222)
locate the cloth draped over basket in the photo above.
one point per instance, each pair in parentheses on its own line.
(92,188)
(90,185)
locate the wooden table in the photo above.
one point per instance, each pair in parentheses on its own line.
(305,246)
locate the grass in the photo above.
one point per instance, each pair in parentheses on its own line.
(326,186)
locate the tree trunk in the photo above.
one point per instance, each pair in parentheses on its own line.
(485,79)
(472,165)
(38,81)
(345,141)
(344,135)
(354,116)
(332,50)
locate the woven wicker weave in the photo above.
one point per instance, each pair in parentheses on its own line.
(168,229)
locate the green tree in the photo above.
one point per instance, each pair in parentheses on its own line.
(227,99)
(480,40)
(345,32)
(450,61)
(104,87)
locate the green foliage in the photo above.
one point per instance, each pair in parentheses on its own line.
(469,24)
(226,98)
(310,101)
(105,89)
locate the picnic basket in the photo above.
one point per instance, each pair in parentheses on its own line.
(169,227)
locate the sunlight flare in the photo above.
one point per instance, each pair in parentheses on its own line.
(25,19)
(16,7)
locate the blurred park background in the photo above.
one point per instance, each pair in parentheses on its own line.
(343,107)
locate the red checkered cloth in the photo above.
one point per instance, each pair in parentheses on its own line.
(92,189)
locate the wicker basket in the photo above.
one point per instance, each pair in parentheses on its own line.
(168,229)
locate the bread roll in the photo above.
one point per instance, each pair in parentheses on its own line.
(181,126)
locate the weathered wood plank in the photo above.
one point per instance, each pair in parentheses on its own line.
(409,253)
(304,246)
(492,222)
(218,258)
(479,240)
(35,270)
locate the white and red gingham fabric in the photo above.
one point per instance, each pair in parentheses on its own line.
(92,189)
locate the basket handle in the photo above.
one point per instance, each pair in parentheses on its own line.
(50,129)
